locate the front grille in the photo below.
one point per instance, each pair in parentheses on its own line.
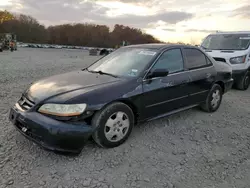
(219,59)
(25,103)
(227,51)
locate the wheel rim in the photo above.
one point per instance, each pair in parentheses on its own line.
(246,81)
(116,127)
(215,98)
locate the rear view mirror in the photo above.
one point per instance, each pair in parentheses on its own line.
(158,73)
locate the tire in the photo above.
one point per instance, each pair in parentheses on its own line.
(213,100)
(244,82)
(121,121)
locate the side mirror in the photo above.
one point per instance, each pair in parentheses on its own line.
(158,73)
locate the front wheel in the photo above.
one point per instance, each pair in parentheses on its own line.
(113,125)
(213,100)
(244,82)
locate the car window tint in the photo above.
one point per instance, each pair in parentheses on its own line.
(171,60)
(195,58)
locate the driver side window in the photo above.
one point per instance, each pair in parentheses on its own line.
(171,60)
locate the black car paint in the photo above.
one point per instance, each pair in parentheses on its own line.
(50,133)
(149,98)
(65,83)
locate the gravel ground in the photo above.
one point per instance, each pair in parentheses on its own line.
(192,149)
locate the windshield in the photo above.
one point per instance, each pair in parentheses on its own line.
(227,42)
(124,62)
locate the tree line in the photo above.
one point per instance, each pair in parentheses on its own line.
(29,30)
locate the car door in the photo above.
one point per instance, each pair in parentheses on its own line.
(202,73)
(164,94)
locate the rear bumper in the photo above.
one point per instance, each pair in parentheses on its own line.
(50,133)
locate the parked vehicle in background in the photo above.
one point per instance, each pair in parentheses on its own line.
(1,45)
(8,41)
(130,85)
(232,48)
(12,46)
(93,52)
(104,52)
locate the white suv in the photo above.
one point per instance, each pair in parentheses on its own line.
(232,48)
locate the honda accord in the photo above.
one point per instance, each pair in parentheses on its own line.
(105,100)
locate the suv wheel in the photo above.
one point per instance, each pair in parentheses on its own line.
(244,83)
(213,100)
(113,125)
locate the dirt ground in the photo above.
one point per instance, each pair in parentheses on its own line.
(191,149)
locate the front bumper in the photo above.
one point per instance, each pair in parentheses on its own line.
(238,74)
(228,85)
(49,133)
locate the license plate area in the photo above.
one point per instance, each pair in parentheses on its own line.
(15,119)
(28,131)
(13,115)
(22,127)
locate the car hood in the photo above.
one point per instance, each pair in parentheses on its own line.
(226,54)
(64,83)
(219,65)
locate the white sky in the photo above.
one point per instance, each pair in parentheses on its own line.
(168,20)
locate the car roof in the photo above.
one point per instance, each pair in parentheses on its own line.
(231,32)
(158,46)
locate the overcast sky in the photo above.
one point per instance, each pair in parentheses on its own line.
(168,20)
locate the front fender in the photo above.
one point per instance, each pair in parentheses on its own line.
(97,97)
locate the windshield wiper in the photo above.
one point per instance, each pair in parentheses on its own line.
(100,72)
(85,69)
(204,47)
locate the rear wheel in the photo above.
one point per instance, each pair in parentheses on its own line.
(244,82)
(113,125)
(213,100)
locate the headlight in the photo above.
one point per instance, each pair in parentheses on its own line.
(64,110)
(238,60)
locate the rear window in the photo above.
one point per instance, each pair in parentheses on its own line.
(195,58)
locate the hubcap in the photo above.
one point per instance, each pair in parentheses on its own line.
(116,127)
(215,98)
